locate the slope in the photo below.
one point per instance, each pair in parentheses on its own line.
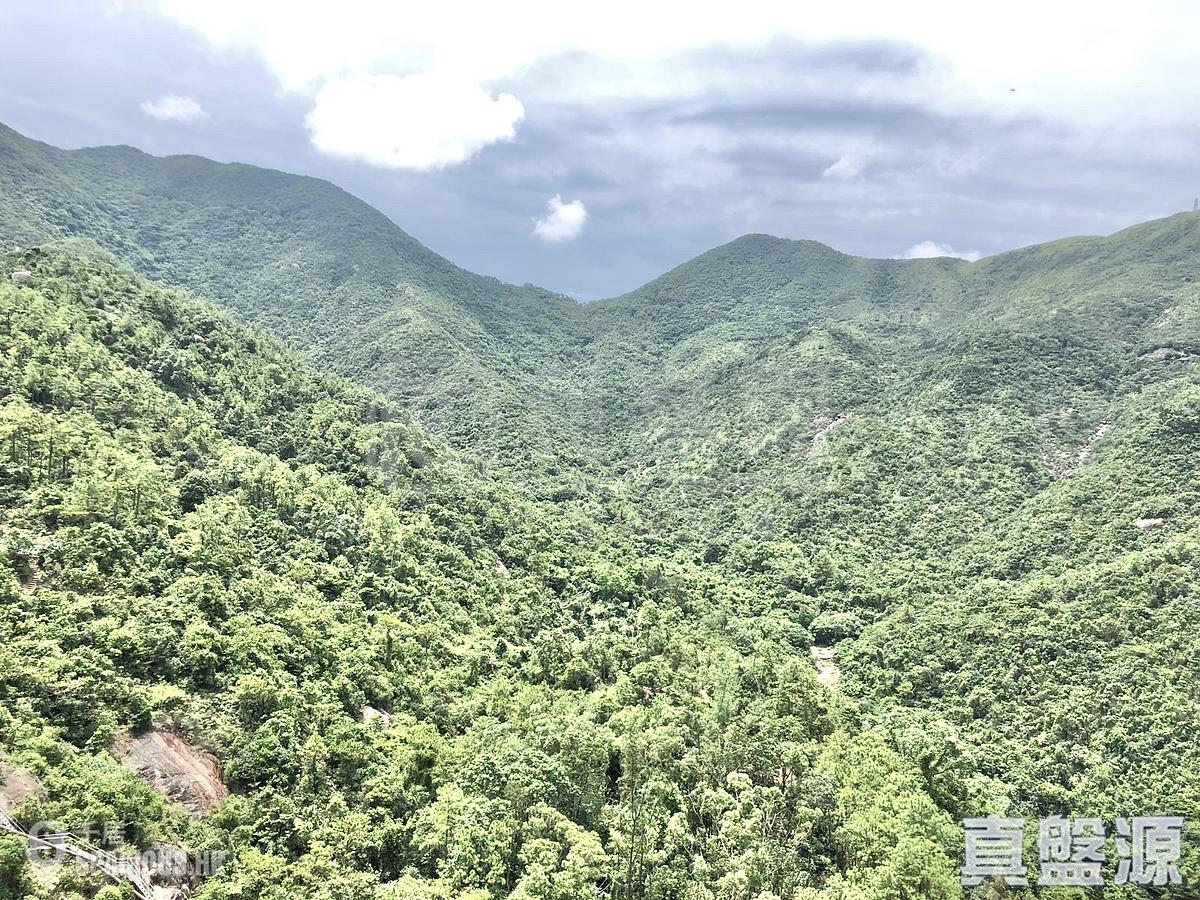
(938,462)
(318,267)
(239,549)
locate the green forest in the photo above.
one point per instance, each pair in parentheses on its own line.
(476,592)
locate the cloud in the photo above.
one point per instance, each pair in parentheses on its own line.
(562,222)
(1111,67)
(1113,73)
(426,121)
(845,168)
(173,108)
(933,250)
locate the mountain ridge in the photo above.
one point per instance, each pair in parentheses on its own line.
(431,256)
(934,465)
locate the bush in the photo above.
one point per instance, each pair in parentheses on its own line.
(831,627)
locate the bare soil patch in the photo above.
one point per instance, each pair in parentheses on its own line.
(828,672)
(16,784)
(181,772)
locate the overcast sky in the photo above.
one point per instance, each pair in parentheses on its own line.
(590,148)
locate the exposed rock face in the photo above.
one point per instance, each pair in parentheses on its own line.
(1145,524)
(1162,353)
(16,784)
(1086,450)
(371,714)
(174,768)
(21,275)
(825,425)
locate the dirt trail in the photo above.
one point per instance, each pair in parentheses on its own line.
(1086,450)
(33,580)
(828,672)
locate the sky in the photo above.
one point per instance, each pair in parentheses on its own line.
(588,148)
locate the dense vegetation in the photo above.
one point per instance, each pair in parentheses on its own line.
(314,265)
(624,522)
(229,544)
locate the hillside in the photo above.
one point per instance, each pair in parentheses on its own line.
(976,482)
(232,547)
(313,264)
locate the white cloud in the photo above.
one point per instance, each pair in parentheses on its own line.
(173,108)
(562,222)
(1112,65)
(425,121)
(845,168)
(1107,73)
(933,250)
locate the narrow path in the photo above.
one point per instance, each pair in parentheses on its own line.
(1086,450)
(828,672)
(34,579)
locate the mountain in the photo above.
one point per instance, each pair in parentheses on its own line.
(308,261)
(417,683)
(975,481)
(984,472)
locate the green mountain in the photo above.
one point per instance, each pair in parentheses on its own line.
(202,536)
(977,480)
(308,261)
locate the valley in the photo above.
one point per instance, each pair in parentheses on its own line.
(749,583)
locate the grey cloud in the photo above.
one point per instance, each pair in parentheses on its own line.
(662,179)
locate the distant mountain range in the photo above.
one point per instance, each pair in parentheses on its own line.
(979,477)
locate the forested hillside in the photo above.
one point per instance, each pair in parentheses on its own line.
(202,534)
(975,482)
(316,266)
